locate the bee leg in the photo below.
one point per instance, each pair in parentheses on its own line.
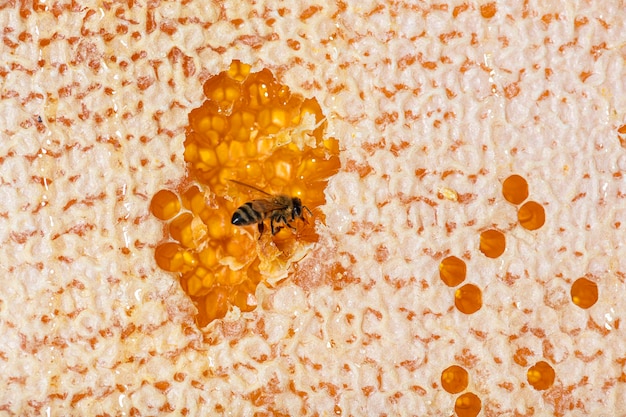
(261,227)
(276,228)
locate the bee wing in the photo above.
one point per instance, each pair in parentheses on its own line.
(252,188)
(268,205)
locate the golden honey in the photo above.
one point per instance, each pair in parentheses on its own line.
(452,271)
(468,299)
(531,215)
(251,129)
(492,243)
(165,205)
(454,379)
(584,293)
(541,376)
(467,405)
(515,189)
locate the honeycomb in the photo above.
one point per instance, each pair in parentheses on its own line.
(251,130)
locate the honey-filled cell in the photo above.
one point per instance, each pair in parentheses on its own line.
(584,293)
(169,256)
(531,215)
(515,189)
(193,200)
(251,129)
(244,296)
(468,299)
(222,93)
(180,229)
(452,271)
(541,376)
(216,303)
(492,243)
(165,205)
(467,405)
(454,379)
(238,71)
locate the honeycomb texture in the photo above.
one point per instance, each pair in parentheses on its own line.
(434,105)
(251,129)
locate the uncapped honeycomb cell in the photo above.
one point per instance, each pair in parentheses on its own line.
(452,271)
(531,215)
(492,243)
(468,299)
(251,139)
(540,376)
(165,205)
(584,293)
(454,379)
(515,189)
(467,405)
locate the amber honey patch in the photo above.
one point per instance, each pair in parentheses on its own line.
(584,293)
(252,139)
(531,215)
(454,379)
(540,376)
(515,189)
(452,271)
(467,405)
(468,299)
(165,205)
(492,243)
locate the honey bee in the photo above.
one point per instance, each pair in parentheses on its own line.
(280,209)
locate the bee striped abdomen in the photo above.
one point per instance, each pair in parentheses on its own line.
(246,215)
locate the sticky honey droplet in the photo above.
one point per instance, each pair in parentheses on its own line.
(540,376)
(467,405)
(165,205)
(531,215)
(584,293)
(468,299)
(515,189)
(454,379)
(492,243)
(452,271)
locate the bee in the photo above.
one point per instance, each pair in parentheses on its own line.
(281,209)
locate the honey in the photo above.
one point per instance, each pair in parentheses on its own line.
(253,130)
(540,376)
(492,243)
(515,189)
(454,379)
(165,205)
(584,293)
(467,405)
(452,271)
(468,299)
(531,215)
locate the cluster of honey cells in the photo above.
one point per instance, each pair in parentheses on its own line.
(468,298)
(245,131)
